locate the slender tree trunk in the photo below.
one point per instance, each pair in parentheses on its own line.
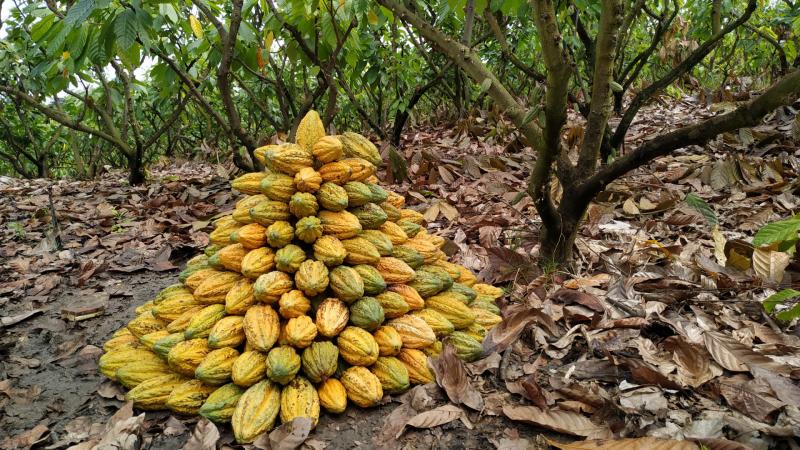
(136,173)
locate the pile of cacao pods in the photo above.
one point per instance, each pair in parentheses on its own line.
(319,288)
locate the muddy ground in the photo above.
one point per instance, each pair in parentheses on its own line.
(50,370)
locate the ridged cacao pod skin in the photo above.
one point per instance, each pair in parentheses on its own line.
(289,158)
(370,216)
(467,278)
(303,204)
(289,258)
(293,304)
(379,194)
(172,307)
(149,340)
(410,295)
(335,172)
(416,363)
(299,398)
(346,283)
(426,283)
(412,216)
(392,213)
(487,289)
(180,324)
(269,287)
(249,368)
(240,298)
(280,234)
(250,236)
(393,304)
(357,346)
(282,365)
(219,406)
(485,318)
(330,251)
(147,323)
(332,396)
(261,327)
(467,348)
(486,305)
(392,374)
(268,212)
(173,289)
(395,271)
(433,350)
(309,131)
(341,224)
(307,180)
(430,253)
(194,279)
(327,149)
(312,277)
(153,393)
(414,331)
(112,361)
(227,332)
(214,288)
(438,323)
(409,256)
(358,194)
(200,325)
(332,317)
(308,229)
(165,344)
(451,295)
(362,387)
(389,341)
(145,307)
(373,281)
(134,373)
(453,310)
(249,183)
(257,262)
(411,229)
(395,199)
(379,240)
(332,197)
(127,340)
(465,291)
(360,251)
(476,331)
(300,331)
(216,367)
(367,313)
(320,360)
(360,169)
(256,411)
(184,357)
(187,398)
(394,233)
(357,146)
(222,231)
(278,187)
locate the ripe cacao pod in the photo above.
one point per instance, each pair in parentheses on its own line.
(393,304)
(227,332)
(362,387)
(453,310)
(229,257)
(256,411)
(416,363)
(308,229)
(335,172)
(173,306)
(293,304)
(330,251)
(414,331)
(307,180)
(193,281)
(249,183)
(303,204)
(200,325)
(282,364)
(357,346)
(289,258)
(146,323)
(184,357)
(280,234)
(332,317)
(389,341)
(278,187)
(214,288)
(379,240)
(409,256)
(268,212)
(261,327)
(438,323)
(113,360)
(250,236)
(289,158)
(395,199)
(346,283)
(320,360)
(153,393)
(483,303)
(249,368)
(360,169)
(309,131)
(180,324)
(410,295)
(394,270)
(394,233)
(299,398)
(312,277)
(269,287)
(357,146)
(392,374)
(332,197)
(332,396)
(360,251)
(165,344)
(300,331)
(327,149)
(341,225)
(135,372)
(219,406)
(240,298)
(485,318)
(188,397)
(392,213)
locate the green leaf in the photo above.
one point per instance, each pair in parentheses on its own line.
(485,85)
(79,12)
(779,297)
(125,28)
(782,231)
(789,314)
(700,205)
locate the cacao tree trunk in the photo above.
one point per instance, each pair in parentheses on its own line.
(136,173)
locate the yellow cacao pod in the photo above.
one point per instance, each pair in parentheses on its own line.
(414,331)
(332,396)
(188,397)
(278,187)
(389,341)
(360,251)
(392,374)
(227,332)
(416,363)
(269,287)
(249,183)
(216,367)
(145,323)
(153,393)
(200,325)
(182,321)
(362,386)
(293,304)
(135,372)
(249,368)
(342,224)
(357,346)
(332,317)
(256,411)
(113,360)
(185,356)
(394,271)
(330,251)
(360,168)
(257,262)
(289,258)
(312,277)
(327,149)
(261,327)
(309,131)
(299,398)
(410,295)
(300,331)
(335,172)
(280,234)
(394,233)
(214,288)
(250,236)
(307,180)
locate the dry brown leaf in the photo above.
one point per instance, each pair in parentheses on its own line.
(736,357)
(630,208)
(451,375)
(644,443)
(27,439)
(746,397)
(593,281)
(436,417)
(562,421)
(770,264)
(204,436)
(288,436)
(509,330)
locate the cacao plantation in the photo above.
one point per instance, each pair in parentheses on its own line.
(318,290)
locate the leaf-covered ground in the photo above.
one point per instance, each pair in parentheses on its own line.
(658,331)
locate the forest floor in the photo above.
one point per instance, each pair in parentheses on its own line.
(659,332)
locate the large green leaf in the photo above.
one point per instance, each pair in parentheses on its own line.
(125,29)
(779,297)
(700,205)
(782,232)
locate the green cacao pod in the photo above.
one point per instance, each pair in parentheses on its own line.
(392,374)
(467,347)
(393,304)
(346,283)
(373,281)
(219,406)
(282,365)
(370,216)
(367,313)
(320,361)
(289,258)
(332,197)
